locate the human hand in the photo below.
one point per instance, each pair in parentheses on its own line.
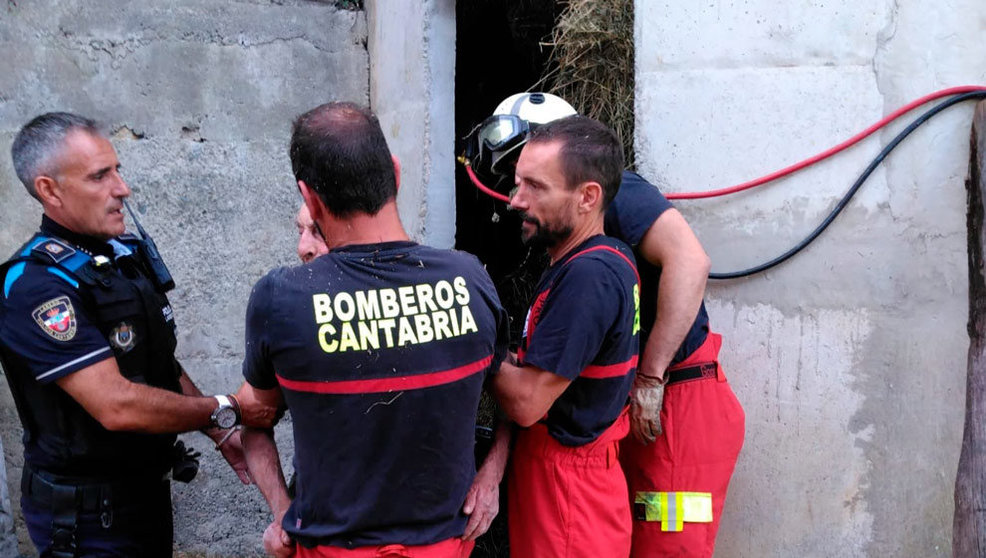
(232,451)
(646,400)
(277,543)
(512,358)
(482,504)
(255,412)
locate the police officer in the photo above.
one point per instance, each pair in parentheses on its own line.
(87,340)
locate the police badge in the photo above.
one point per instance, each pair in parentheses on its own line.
(123,337)
(56,318)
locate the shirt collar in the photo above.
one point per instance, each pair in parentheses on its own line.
(88,244)
(376,247)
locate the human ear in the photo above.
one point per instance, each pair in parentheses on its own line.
(316,208)
(590,196)
(48,191)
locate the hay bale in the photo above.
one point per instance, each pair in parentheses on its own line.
(592,64)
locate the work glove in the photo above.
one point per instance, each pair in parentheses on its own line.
(646,400)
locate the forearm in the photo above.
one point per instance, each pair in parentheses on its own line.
(525,393)
(188,387)
(514,389)
(679,297)
(141,408)
(670,245)
(496,460)
(264,464)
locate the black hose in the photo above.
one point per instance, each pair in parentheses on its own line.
(852,191)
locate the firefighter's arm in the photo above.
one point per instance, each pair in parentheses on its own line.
(265,469)
(527,392)
(671,245)
(483,499)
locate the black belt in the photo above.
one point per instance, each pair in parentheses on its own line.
(94,496)
(701,371)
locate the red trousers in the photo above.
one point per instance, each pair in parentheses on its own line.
(449,548)
(703,432)
(568,502)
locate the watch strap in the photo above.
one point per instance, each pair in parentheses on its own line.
(224,403)
(235,403)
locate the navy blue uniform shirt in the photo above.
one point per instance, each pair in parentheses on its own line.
(49,329)
(42,318)
(636,207)
(381,352)
(583,325)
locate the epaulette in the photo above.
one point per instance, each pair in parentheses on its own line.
(53,250)
(58,256)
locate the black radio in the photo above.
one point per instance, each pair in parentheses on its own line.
(163,282)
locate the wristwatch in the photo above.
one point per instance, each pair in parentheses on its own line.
(227,414)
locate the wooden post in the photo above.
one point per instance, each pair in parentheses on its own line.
(969,525)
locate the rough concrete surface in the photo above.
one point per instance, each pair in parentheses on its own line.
(199,96)
(412,66)
(850,359)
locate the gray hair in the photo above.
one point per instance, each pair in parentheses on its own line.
(39,142)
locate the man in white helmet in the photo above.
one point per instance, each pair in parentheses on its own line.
(679,383)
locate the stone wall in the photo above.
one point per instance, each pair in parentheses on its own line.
(199,96)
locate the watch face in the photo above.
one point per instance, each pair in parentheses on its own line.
(225,417)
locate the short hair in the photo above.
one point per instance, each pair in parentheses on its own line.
(339,151)
(38,144)
(590,152)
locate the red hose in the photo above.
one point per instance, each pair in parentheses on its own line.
(483,187)
(829,152)
(787,170)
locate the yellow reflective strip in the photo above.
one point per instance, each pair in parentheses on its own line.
(673,509)
(652,505)
(697,507)
(666,513)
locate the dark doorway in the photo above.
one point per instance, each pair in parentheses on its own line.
(498,53)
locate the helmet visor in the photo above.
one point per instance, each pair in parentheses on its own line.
(501,131)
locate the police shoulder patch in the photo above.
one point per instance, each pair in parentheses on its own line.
(53,249)
(56,318)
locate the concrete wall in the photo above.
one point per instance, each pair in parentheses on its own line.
(851,358)
(412,90)
(201,95)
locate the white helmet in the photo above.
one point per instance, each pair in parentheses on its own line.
(501,136)
(536,108)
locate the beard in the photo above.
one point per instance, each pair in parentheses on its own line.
(545,235)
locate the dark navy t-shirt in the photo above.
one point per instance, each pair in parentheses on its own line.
(629,216)
(381,352)
(583,325)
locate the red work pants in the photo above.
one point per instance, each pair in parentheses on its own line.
(703,432)
(449,548)
(568,502)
